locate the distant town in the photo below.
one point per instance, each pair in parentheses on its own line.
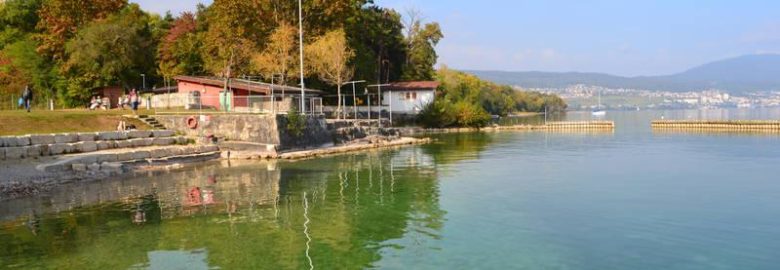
(585,97)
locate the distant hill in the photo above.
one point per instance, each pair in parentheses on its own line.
(740,74)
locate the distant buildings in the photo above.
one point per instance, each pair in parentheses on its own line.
(583,97)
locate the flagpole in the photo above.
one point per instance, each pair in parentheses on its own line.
(300,48)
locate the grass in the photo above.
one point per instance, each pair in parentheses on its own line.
(19,122)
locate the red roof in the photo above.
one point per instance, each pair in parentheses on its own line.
(409,86)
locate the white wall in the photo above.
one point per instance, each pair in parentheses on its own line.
(402,105)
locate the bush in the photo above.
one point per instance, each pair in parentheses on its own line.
(442,113)
(296,123)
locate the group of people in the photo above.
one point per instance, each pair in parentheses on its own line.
(130,100)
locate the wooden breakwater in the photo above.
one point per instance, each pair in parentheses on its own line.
(579,125)
(564,126)
(707,125)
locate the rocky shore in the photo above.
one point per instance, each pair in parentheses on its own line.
(34,175)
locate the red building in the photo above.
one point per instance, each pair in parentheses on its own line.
(210,90)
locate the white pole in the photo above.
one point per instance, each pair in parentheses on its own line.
(354,100)
(300,49)
(379,93)
(390,103)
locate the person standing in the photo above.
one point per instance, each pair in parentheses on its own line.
(27,95)
(134,100)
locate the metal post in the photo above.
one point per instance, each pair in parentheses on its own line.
(300,49)
(143,76)
(368,98)
(390,103)
(354,101)
(273,98)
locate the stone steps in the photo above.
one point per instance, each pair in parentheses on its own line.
(151,121)
(42,145)
(115,160)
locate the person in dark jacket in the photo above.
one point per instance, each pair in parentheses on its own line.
(27,96)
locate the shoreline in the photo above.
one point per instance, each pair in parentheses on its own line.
(25,180)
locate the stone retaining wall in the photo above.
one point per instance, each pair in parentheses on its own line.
(37,145)
(106,161)
(255,128)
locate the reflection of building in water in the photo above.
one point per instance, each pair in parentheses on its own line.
(175,191)
(358,205)
(413,157)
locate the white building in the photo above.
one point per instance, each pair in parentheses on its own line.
(408,97)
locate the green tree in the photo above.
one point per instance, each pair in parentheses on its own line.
(377,38)
(235,28)
(109,52)
(421,43)
(179,50)
(61,19)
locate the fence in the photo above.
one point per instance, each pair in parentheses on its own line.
(237,104)
(11,102)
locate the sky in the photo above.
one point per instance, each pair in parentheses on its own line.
(628,38)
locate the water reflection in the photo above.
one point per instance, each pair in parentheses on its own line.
(246,215)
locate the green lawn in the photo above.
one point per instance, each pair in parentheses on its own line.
(19,122)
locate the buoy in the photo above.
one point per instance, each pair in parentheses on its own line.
(192,122)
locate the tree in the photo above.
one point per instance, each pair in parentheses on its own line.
(329,57)
(109,52)
(377,38)
(235,28)
(280,56)
(61,19)
(421,49)
(179,50)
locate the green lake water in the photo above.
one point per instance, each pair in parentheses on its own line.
(632,199)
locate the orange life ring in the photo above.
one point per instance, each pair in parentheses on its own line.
(192,122)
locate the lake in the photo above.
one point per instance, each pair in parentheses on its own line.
(632,199)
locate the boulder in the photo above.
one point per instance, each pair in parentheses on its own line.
(163,133)
(2,141)
(133,134)
(104,145)
(42,139)
(66,138)
(137,142)
(148,141)
(93,167)
(141,155)
(160,153)
(33,151)
(112,136)
(108,157)
(124,156)
(176,151)
(86,159)
(112,167)
(124,144)
(182,140)
(164,141)
(87,137)
(79,167)
(85,147)
(16,141)
(2,153)
(59,149)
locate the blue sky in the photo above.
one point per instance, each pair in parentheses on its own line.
(612,36)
